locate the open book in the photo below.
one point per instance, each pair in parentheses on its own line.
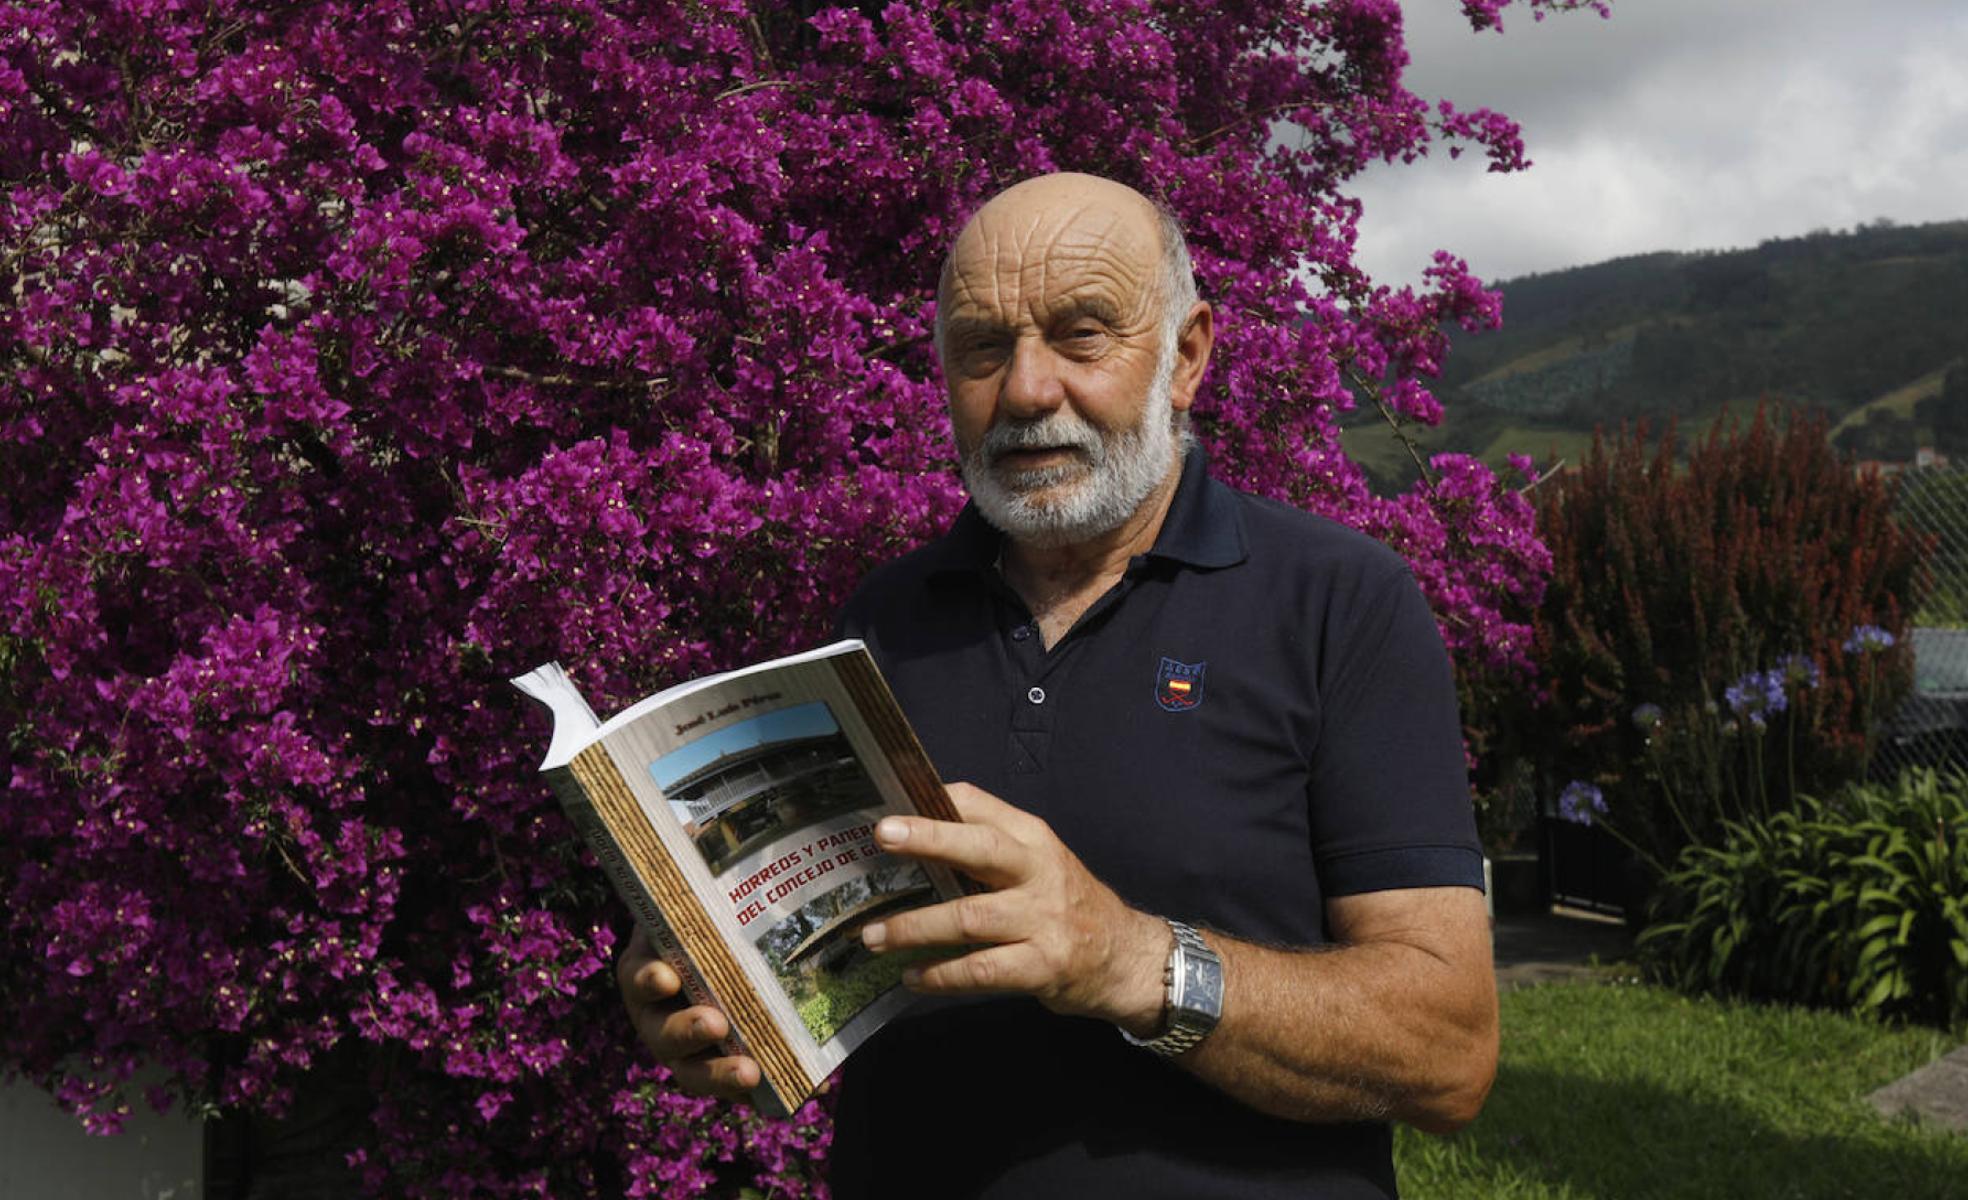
(735,815)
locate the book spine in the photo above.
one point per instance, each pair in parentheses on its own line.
(629,886)
(700,947)
(869,691)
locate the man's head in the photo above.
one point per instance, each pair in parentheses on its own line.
(1072,344)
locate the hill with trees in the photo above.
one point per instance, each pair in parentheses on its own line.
(1869,326)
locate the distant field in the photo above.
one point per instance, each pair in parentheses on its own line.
(1557,352)
(1493,437)
(1547,356)
(1547,446)
(1373,446)
(1899,401)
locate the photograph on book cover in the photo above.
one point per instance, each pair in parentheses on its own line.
(782,813)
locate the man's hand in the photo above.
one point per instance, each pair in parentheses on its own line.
(682,1038)
(1047,928)
(1397,1018)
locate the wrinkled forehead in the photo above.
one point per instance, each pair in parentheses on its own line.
(1029,262)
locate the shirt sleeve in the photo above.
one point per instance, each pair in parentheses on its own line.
(1389,791)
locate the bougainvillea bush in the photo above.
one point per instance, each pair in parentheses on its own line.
(361,355)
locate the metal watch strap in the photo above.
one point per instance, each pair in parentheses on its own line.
(1185,1023)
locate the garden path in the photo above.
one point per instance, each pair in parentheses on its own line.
(1938,1092)
(1555,945)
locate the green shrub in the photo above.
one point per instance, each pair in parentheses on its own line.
(1859,903)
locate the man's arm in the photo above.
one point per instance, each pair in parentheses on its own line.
(1398,1020)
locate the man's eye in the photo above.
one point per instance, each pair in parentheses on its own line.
(980,355)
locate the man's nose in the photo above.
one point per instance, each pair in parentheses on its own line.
(1032,385)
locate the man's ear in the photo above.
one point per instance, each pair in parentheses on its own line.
(1192,354)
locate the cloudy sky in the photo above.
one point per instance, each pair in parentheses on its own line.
(1680,125)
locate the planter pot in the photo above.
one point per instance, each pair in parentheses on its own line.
(1517,884)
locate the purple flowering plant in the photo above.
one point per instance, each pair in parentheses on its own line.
(1799,671)
(1867,643)
(1755,696)
(1868,639)
(1722,734)
(361,355)
(1581,802)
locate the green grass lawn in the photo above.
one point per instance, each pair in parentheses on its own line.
(1615,1091)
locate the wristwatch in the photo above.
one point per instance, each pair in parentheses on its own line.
(1192,995)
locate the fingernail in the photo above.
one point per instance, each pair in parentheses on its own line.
(891,831)
(874,936)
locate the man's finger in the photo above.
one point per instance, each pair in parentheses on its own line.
(979,807)
(678,1034)
(652,981)
(636,954)
(1013,968)
(727,1078)
(982,852)
(985,917)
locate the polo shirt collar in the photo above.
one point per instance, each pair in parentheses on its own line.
(1203,528)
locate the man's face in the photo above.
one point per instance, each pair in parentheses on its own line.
(1058,378)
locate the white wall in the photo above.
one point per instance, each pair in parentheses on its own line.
(44,1155)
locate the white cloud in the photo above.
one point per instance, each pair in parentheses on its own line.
(1677,125)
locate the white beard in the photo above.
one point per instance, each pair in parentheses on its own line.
(1045,507)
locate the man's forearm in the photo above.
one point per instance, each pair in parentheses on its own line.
(1387,1028)
(1399,1020)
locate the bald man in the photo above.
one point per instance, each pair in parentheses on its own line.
(1208,762)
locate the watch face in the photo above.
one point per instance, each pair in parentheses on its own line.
(1202,985)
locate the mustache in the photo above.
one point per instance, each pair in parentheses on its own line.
(1053,431)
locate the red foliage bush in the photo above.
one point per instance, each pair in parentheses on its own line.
(1672,582)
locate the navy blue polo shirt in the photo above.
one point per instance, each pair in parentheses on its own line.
(1258,716)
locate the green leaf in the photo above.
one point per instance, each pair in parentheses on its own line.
(1878,924)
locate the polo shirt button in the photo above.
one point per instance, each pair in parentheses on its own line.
(1036,695)
(1020,632)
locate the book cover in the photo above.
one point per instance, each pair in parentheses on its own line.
(735,816)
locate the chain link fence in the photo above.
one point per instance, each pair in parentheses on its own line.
(1930,727)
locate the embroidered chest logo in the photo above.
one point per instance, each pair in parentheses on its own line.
(1178,685)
